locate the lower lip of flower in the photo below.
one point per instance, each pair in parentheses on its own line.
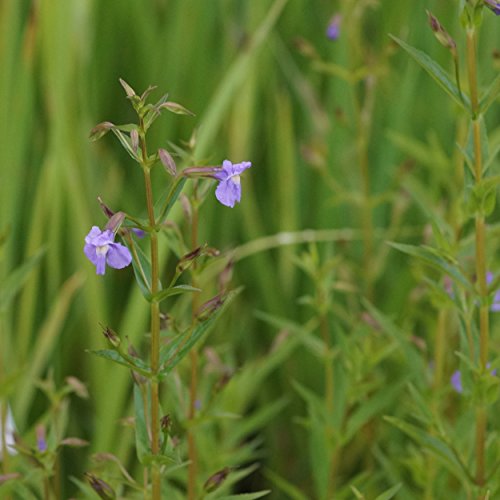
(102,250)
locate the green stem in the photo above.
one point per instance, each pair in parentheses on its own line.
(480,237)
(155,323)
(193,355)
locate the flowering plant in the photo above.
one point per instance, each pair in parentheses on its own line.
(155,444)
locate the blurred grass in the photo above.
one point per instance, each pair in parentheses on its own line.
(236,66)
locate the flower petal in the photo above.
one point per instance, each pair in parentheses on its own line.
(240,167)
(100,263)
(93,233)
(228,192)
(90,252)
(118,256)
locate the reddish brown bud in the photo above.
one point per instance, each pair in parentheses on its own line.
(215,481)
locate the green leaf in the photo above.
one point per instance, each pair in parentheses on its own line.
(176,108)
(436,445)
(246,496)
(438,74)
(142,271)
(490,95)
(128,361)
(370,408)
(16,280)
(432,258)
(168,198)
(172,354)
(387,495)
(175,290)
(141,429)
(291,491)
(125,142)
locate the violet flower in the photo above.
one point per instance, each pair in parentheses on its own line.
(495,306)
(228,191)
(333,28)
(456,378)
(456,381)
(101,249)
(493,5)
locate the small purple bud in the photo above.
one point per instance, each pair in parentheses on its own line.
(333,28)
(41,442)
(216,480)
(100,130)
(107,211)
(134,140)
(115,222)
(441,34)
(456,381)
(187,260)
(493,5)
(111,337)
(102,488)
(209,307)
(168,162)
(138,232)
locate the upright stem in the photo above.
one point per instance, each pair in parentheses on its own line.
(193,355)
(155,324)
(480,229)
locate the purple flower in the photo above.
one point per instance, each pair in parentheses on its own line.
(101,249)
(493,5)
(41,442)
(228,191)
(456,381)
(333,28)
(495,306)
(456,378)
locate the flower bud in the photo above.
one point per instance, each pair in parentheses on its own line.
(167,161)
(215,481)
(107,211)
(100,130)
(115,222)
(41,442)
(112,337)
(134,140)
(102,488)
(166,424)
(333,28)
(208,308)
(128,89)
(441,34)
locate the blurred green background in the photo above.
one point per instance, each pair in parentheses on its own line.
(240,67)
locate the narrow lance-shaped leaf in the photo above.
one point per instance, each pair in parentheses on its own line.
(176,350)
(175,290)
(430,256)
(119,358)
(390,493)
(490,95)
(125,143)
(169,197)
(141,430)
(438,74)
